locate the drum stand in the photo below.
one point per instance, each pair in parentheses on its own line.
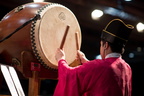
(33,74)
(34,80)
(34,84)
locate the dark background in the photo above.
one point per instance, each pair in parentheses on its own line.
(91,31)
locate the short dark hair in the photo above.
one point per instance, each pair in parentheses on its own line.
(115,47)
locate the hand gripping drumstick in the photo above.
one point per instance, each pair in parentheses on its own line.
(64,37)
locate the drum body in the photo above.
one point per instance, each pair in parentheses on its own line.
(38,41)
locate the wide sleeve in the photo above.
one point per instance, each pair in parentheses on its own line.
(68,83)
(75,81)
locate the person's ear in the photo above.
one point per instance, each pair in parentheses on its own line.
(106,45)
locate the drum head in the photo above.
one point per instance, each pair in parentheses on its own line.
(47,34)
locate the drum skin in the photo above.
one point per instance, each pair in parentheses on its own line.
(17,50)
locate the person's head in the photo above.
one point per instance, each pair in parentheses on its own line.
(107,47)
(114,37)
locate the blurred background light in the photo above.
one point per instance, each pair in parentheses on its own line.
(38,0)
(139,49)
(131,55)
(96,14)
(140,27)
(119,13)
(128,0)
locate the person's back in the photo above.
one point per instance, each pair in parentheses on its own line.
(109,77)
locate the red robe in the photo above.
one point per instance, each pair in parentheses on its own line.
(108,77)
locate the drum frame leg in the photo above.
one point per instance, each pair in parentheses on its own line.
(33,75)
(34,84)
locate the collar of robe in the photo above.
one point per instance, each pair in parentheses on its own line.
(113,55)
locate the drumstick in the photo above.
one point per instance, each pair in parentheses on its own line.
(76,37)
(64,37)
(77,45)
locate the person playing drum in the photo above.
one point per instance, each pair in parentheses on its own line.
(109,76)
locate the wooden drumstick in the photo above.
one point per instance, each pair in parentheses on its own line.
(76,37)
(64,37)
(77,45)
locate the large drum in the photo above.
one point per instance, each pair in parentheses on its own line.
(37,31)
